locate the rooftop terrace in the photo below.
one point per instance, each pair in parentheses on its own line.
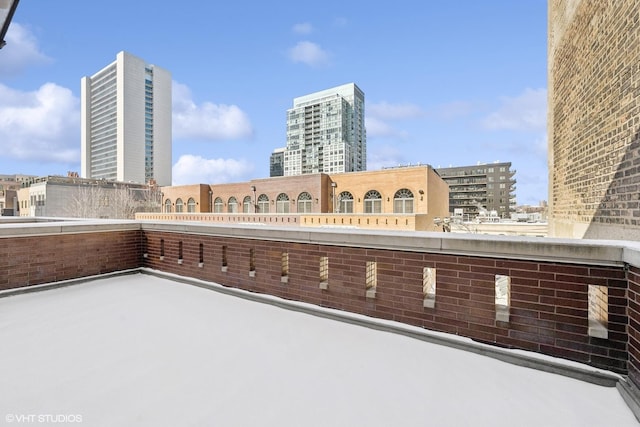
(568,308)
(153,351)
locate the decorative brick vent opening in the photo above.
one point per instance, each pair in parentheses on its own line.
(201,256)
(598,311)
(224,259)
(180,258)
(503,297)
(371,279)
(145,247)
(252,262)
(284,276)
(324,272)
(161,249)
(429,287)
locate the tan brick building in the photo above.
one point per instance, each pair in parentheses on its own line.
(411,191)
(594,118)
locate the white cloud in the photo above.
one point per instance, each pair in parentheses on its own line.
(379,128)
(309,53)
(383,157)
(190,169)
(21,51)
(452,110)
(303,28)
(527,111)
(340,21)
(207,121)
(40,125)
(380,114)
(384,110)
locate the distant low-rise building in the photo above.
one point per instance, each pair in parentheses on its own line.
(407,198)
(57,196)
(480,189)
(9,186)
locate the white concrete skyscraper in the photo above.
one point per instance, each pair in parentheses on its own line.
(126,122)
(326,133)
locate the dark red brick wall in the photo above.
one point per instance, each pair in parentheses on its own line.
(549,301)
(26,261)
(634,324)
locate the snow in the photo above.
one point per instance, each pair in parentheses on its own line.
(140,350)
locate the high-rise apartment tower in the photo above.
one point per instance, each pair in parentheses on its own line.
(126,122)
(326,133)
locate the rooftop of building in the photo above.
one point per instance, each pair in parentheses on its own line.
(143,349)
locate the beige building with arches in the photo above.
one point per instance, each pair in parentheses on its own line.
(407,198)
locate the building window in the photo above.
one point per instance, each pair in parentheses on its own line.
(179,205)
(345,202)
(167,206)
(282,203)
(403,202)
(232,205)
(263,203)
(246,204)
(372,202)
(218,205)
(191,205)
(305,203)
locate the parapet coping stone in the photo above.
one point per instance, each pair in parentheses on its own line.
(526,248)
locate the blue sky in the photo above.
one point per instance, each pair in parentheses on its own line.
(446,83)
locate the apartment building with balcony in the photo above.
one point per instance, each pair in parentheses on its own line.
(481,189)
(326,132)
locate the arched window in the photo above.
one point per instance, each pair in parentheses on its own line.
(263,203)
(345,202)
(372,202)
(167,206)
(232,205)
(246,204)
(305,202)
(403,202)
(191,205)
(282,203)
(179,205)
(218,205)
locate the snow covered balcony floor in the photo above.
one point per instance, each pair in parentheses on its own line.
(143,350)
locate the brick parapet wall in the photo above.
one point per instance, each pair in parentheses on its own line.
(549,299)
(37,255)
(549,277)
(634,323)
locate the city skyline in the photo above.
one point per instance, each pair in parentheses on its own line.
(447,85)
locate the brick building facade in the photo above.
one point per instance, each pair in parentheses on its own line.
(594,118)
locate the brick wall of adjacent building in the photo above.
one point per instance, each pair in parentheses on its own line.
(594,118)
(549,300)
(34,260)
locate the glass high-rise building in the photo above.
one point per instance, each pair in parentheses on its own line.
(126,122)
(326,132)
